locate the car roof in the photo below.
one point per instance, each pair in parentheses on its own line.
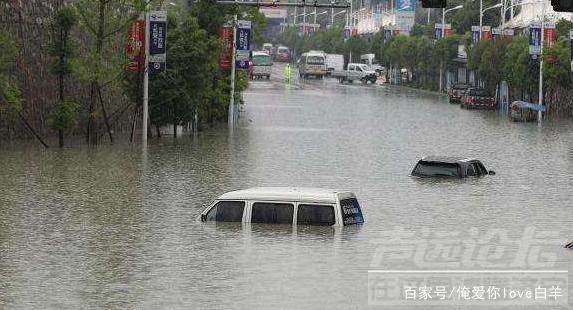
(284,193)
(446,159)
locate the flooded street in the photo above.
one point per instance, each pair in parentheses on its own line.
(112,228)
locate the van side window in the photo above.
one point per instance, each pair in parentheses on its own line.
(269,212)
(315,215)
(226,211)
(351,213)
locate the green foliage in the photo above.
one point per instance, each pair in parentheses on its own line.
(519,73)
(10,97)
(491,66)
(556,75)
(64,115)
(192,82)
(563,27)
(9,51)
(61,47)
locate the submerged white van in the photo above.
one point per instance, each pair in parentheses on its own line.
(282,205)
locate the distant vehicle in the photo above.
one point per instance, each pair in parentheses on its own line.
(356,72)
(281,205)
(283,54)
(451,167)
(312,63)
(477,98)
(334,62)
(268,48)
(372,63)
(456,91)
(521,111)
(262,64)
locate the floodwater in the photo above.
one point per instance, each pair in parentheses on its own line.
(117,228)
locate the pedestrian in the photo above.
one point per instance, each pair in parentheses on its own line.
(287,73)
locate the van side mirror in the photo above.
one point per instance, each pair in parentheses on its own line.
(491,172)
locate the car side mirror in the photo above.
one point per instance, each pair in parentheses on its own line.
(491,172)
(203,217)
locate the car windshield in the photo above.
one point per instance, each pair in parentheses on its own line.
(436,169)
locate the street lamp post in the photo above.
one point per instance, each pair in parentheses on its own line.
(444,11)
(482,11)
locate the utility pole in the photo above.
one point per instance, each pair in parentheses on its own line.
(145,81)
(231,119)
(539,115)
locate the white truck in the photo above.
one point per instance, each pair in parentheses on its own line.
(356,72)
(334,62)
(370,61)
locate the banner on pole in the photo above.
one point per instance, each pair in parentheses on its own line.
(226,35)
(550,34)
(534,42)
(495,33)
(475,34)
(157,39)
(243,41)
(486,33)
(437,31)
(135,46)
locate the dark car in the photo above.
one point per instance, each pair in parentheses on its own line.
(456,91)
(452,167)
(478,98)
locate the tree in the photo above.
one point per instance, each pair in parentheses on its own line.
(65,113)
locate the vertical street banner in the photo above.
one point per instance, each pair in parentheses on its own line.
(347,32)
(243,41)
(448,32)
(508,32)
(157,37)
(534,41)
(486,33)
(135,46)
(495,33)
(387,33)
(437,31)
(475,34)
(571,54)
(226,36)
(550,35)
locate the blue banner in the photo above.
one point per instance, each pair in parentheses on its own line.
(475,34)
(157,41)
(437,31)
(534,42)
(387,35)
(243,41)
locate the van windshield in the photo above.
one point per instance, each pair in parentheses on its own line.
(262,60)
(351,213)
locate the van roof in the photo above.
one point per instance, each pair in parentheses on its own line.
(284,193)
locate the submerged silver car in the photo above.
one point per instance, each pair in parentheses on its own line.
(453,167)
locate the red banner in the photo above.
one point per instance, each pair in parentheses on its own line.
(448,33)
(226,35)
(550,34)
(135,46)
(486,33)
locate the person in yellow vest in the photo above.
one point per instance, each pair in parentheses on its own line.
(287,73)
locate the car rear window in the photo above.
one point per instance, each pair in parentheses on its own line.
(322,215)
(226,211)
(270,212)
(351,213)
(479,92)
(460,86)
(436,169)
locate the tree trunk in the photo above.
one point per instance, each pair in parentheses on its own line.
(92,134)
(157,131)
(105,118)
(174,130)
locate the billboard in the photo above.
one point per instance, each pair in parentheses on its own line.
(274,13)
(405,5)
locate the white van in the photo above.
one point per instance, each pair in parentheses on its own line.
(282,205)
(312,63)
